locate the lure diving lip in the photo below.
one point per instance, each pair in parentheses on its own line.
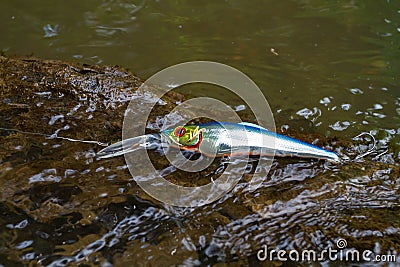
(147,141)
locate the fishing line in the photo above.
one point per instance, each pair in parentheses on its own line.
(381,154)
(55,136)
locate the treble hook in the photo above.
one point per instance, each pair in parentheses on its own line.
(370,150)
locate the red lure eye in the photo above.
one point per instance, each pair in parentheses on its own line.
(179,131)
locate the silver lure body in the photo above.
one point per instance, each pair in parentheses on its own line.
(246,138)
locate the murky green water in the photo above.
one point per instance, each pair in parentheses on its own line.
(328,69)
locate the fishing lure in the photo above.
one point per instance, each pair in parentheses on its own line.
(223,139)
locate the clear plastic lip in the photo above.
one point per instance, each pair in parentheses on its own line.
(147,141)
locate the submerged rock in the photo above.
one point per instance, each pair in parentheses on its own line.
(59,204)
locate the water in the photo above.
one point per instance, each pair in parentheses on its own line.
(328,69)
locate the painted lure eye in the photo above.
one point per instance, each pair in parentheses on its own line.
(179,131)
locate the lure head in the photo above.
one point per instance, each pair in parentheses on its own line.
(189,135)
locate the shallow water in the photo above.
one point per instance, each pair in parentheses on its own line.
(328,69)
